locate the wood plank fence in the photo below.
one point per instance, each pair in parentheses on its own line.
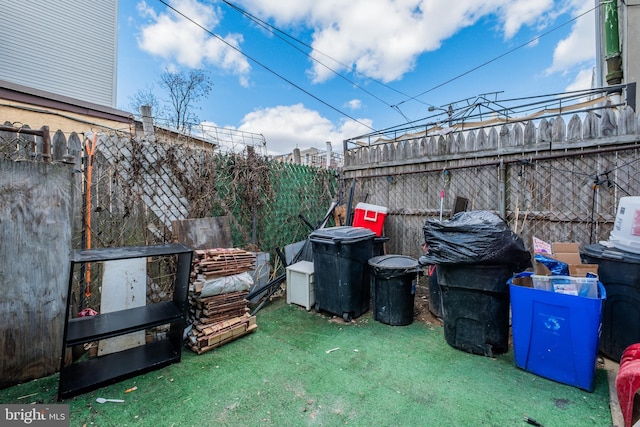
(24,143)
(559,179)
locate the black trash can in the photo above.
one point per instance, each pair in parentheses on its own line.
(435,297)
(475,307)
(619,272)
(378,245)
(341,272)
(393,288)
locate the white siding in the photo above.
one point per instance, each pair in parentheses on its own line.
(68,47)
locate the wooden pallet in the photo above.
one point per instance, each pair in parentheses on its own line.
(207,338)
(218,319)
(214,263)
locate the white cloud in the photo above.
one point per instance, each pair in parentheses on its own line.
(382,39)
(174,38)
(286,127)
(579,46)
(516,14)
(582,81)
(354,104)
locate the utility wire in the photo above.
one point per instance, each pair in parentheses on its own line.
(395,107)
(273,30)
(500,56)
(265,66)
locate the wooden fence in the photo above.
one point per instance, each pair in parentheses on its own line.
(557,179)
(24,143)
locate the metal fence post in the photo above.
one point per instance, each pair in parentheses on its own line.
(502,195)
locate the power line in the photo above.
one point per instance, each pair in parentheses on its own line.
(500,56)
(265,66)
(396,107)
(275,30)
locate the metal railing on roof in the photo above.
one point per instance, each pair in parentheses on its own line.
(481,112)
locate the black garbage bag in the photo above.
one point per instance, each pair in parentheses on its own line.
(474,237)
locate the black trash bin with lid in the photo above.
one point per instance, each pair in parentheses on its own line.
(476,253)
(619,272)
(393,288)
(341,273)
(475,307)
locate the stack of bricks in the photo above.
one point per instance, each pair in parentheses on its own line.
(221,318)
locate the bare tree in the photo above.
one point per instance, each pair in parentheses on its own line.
(185,90)
(145,96)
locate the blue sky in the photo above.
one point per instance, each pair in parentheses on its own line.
(381,62)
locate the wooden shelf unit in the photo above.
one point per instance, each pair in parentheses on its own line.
(80,377)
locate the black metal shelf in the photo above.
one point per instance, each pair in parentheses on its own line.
(80,377)
(87,329)
(127,252)
(91,374)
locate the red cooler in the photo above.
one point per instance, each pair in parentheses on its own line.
(370,216)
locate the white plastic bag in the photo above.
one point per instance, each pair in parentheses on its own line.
(224,285)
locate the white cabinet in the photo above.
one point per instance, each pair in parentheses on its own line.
(300,285)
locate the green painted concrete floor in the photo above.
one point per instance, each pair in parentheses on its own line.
(302,368)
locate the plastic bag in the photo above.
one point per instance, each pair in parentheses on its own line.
(224,285)
(474,237)
(87,312)
(557,268)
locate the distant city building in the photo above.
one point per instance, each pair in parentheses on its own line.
(311,157)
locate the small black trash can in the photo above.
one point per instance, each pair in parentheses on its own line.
(378,245)
(393,288)
(619,272)
(475,307)
(341,273)
(435,298)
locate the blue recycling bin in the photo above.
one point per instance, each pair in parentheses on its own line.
(556,336)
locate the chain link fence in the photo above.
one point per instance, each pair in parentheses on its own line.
(571,197)
(139,188)
(134,189)
(568,197)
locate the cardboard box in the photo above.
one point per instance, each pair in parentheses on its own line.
(569,253)
(524,281)
(566,252)
(581,270)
